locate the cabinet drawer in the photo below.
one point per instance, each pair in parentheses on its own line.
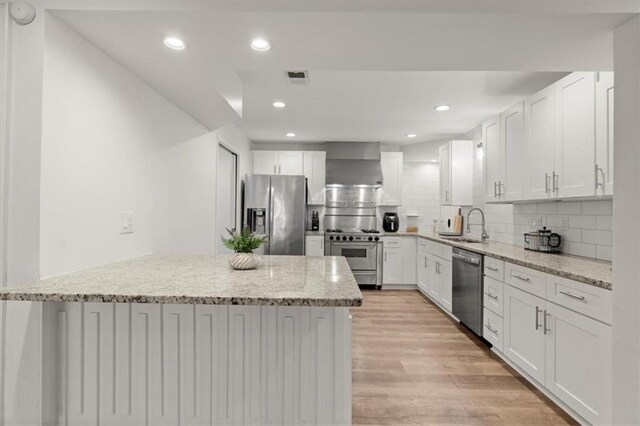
(494,296)
(492,329)
(583,298)
(392,241)
(525,279)
(440,250)
(494,268)
(422,243)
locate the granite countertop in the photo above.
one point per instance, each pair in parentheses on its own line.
(201,279)
(589,271)
(314,233)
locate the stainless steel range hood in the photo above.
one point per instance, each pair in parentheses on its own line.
(353,163)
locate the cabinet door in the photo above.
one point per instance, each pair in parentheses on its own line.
(392,266)
(539,113)
(445,278)
(314,170)
(314,246)
(290,163)
(604,134)
(574,156)
(423,269)
(391,164)
(445,174)
(579,363)
(511,188)
(265,162)
(524,339)
(433,280)
(409,248)
(493,160)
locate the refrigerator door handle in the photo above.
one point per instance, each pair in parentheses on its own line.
(272,191)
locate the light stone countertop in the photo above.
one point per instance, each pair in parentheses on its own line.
(589,271)
(314,233)
(202,280)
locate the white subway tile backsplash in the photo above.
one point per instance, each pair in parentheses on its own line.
(582,222)
(604,253)
(547,208)
(598,207)
(580,249)
(570,207)
(604,223)
(602,238)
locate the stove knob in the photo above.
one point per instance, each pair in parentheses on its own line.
(331,238)
(377,238)
(350,238)
(370,238)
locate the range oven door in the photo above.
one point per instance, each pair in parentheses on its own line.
(360,256)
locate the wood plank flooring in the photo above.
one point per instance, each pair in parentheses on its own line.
(413,365)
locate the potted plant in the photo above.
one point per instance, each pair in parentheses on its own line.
(243,243)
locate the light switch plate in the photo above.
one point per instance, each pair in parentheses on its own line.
(126,222)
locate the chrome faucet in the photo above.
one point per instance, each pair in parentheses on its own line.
(484,236)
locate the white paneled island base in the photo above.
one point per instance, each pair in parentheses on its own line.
(201,364)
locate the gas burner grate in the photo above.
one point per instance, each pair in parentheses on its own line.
(370,231)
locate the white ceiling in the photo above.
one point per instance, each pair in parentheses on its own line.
(379,106)
(203,79)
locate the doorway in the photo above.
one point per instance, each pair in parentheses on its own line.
(226,195)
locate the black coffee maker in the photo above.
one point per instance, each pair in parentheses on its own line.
(390,222)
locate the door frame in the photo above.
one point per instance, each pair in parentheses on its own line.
(237,210)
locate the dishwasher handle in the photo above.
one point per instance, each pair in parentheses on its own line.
(467,259)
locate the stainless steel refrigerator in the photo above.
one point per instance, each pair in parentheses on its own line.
(275,206)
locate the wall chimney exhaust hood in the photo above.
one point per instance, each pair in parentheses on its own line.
(353,163)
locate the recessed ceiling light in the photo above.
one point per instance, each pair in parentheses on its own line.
(279,104)
(290,135)
(260,44)
(411,135)
(441,108)
(174,43)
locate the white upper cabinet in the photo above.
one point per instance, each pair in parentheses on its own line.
(493,159)
(314,170)
(265,162)
(311,164)
(456,173)
(539,112)
(604,134)
(290,163)
(574,155)
(278,163)
(391,163)
(511,187)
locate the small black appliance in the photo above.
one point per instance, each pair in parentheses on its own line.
(390,222)
(315,221)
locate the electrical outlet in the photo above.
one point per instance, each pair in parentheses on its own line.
(126,222)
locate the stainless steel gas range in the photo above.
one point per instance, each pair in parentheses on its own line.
(363,250)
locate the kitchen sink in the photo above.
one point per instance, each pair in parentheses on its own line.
(463,240)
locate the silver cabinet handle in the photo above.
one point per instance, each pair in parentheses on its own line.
(438,268)
(495,189)
(556,179)
(385,256)
(491,268)
(274,169)
(546,314)
(538,310)
(493,296)
(600,171)
(522,278)
(566,293)
(425,263)
(491,329)
(280,169)
(500,189)
(546,183)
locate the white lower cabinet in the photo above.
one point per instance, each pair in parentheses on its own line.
(314,245)
(399,261)
(578,362)
(524,339)
(422,270)
(551,338)
(435,273)
(444,271)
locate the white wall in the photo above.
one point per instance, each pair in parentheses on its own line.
(109,144)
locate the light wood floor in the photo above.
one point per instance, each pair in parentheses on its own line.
(413,365)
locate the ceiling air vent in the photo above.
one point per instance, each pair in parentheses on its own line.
(297,77)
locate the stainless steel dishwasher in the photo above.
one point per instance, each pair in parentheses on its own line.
(468,288)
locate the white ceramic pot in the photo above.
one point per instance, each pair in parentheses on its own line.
(244,261)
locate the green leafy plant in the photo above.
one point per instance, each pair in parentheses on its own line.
(243,241)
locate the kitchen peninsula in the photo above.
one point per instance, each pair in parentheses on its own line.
(184,339)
